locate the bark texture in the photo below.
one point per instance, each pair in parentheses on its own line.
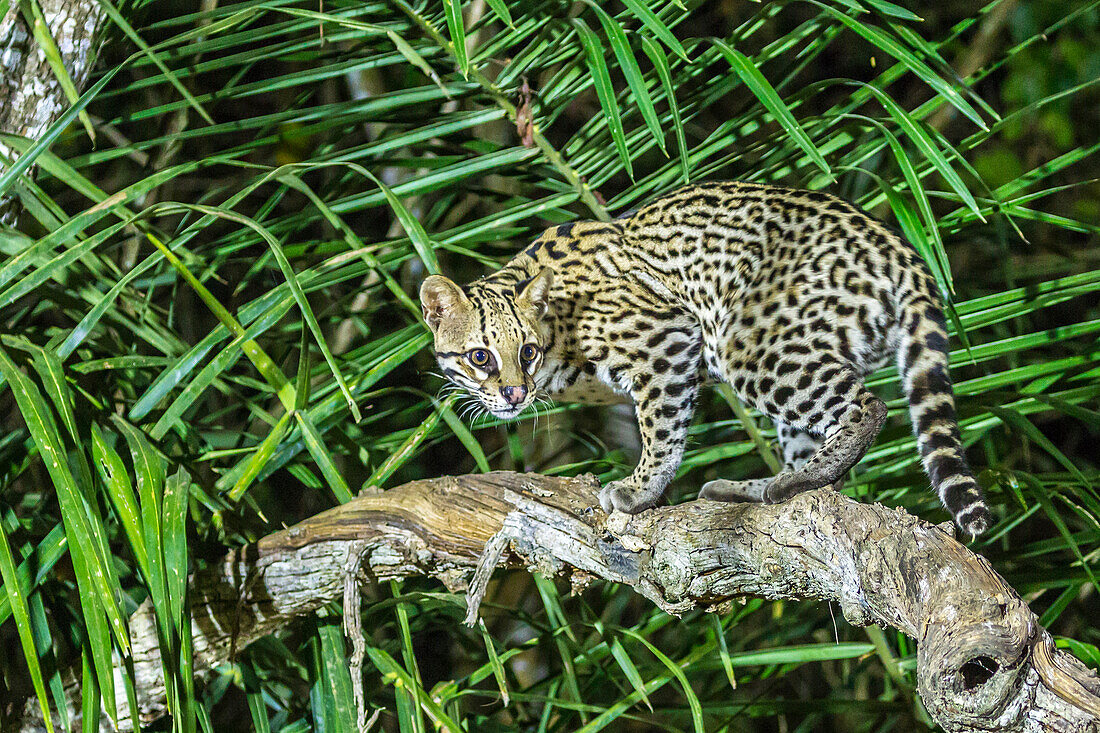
(31,98)
(984,663)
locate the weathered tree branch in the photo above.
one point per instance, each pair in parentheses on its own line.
(983,664)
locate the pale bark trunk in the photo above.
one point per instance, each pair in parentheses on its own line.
(31,98)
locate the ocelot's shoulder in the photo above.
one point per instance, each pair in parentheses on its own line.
(573,244)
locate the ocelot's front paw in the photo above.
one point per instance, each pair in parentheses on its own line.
(624,497)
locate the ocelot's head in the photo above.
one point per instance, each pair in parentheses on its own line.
(489,337)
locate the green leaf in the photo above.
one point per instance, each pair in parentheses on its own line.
(494,661)
(421,243)
(889,45)
(261,456)
(414,692)
(723,650)
(601,78)
(174,523)
(458,34)
(323,458)
(656,26)
(660,63)
(416,60)
(49,369)
(629,65)
(51,549)
(89,695)
(339,679)
(801,654)
(112,471)
(501,9)
(631,672)
(302,380)
(23,625)
(767,95)
(883,6)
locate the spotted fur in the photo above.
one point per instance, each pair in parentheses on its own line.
(791,297)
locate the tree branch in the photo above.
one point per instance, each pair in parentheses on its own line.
(983,664)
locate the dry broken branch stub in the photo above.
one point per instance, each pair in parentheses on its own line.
(983,661)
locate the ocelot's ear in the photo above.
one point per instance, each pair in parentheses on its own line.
(441,300)
(536,294)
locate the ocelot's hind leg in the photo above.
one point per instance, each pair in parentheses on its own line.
(798,447)
(837,404)
(849,430)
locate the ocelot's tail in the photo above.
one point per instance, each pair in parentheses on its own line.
(922,361)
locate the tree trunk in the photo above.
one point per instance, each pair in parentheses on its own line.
(31,98)
(983,664)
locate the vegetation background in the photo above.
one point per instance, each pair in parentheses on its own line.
(210,329)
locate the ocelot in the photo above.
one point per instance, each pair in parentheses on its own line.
(791,297)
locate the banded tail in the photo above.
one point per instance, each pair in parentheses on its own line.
(922,362)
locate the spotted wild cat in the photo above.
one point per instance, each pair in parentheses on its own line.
(791,297)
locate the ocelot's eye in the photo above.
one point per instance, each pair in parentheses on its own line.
(479,357)
(529,352)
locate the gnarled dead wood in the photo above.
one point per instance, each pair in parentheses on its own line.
(983,661)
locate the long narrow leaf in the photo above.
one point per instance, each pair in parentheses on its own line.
(601,78)
(629,65)
(453,9)
(23,625)
(767,95)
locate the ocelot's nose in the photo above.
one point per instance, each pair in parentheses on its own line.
(513,395)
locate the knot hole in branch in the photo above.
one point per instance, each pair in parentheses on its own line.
(978,671)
